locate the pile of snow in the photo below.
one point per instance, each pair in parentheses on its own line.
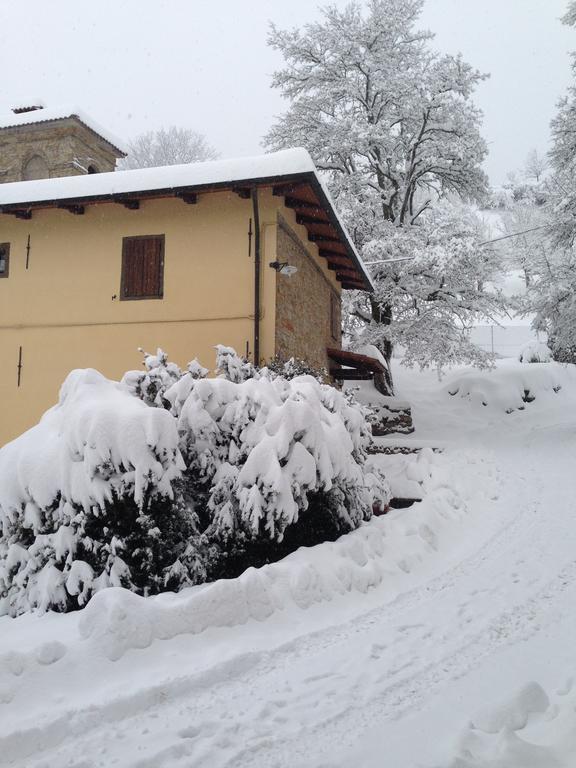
(509,387)
(410,475)
(526,731)
(535,352)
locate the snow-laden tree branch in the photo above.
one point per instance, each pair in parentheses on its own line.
(167,146)
(394,126)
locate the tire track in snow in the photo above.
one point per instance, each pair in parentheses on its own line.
(252,668)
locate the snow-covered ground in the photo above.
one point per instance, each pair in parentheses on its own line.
(439,636)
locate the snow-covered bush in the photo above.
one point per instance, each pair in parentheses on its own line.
(293,367)
(111,490)
(510,386)
(86,499)
(272,462)
(535,352)
(159,374)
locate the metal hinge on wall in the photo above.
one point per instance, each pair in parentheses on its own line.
(20,366)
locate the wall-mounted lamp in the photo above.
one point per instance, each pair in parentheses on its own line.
(283,268)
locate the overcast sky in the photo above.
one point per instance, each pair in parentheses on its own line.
(134,65)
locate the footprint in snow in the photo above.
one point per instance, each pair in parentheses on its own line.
(191,732)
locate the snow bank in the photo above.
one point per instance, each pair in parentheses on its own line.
(116,620)
(535,352)
(510,386)
(526,731)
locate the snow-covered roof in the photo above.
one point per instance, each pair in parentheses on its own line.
(288,166)
(47,115)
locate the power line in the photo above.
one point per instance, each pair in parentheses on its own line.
(516,234)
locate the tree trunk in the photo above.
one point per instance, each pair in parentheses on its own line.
(383,381)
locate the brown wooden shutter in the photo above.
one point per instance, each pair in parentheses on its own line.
(142,267)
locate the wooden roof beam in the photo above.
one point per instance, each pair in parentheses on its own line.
(354,359)
(328,254)
(304,205)
(301,218)
(335,263)
(76,210)
(132,204)
(190,198)
(244,192)
(284,190)
(351,374)
(316,238)
(344,273)
(19,213)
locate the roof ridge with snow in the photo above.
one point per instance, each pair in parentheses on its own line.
(63,112)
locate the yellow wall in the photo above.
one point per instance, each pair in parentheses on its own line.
(61,311)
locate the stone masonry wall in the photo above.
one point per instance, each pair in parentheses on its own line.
(57,143)
(304,303)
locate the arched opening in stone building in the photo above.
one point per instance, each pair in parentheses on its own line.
(35,168)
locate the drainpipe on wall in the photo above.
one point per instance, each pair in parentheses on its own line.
(257,264)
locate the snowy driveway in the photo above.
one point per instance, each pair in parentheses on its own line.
(389,678)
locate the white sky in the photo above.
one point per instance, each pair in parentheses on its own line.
(135,65)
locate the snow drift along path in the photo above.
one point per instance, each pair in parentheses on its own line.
(456,653)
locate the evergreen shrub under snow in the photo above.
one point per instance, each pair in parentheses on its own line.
(168,479)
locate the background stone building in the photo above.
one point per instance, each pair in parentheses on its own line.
(40,143)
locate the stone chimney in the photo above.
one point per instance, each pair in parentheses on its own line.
(31,106)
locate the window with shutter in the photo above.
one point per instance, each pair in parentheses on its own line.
(4,259)
(142,267)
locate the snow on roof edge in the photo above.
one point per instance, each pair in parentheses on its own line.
(286,162)
(48,114)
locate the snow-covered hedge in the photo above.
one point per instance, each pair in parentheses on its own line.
(169,479)
(535,352)
(511,386)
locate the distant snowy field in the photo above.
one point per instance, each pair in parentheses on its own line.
(439,636)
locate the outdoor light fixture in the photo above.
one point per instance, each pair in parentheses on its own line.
(283,268)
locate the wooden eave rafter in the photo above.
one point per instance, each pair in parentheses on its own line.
(314,212)
(75,209)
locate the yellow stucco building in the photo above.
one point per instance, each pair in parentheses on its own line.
(183,257)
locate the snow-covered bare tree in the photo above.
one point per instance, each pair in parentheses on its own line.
(563,157)
(536,166)
(393,126)
(552,294)
(167,146)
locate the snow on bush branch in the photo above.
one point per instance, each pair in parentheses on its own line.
(169,478)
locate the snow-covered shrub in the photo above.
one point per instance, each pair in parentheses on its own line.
(87,500)
(293,367)
(232,367)
(535,352)
(273,462)
(111,490)
(159,375)
(510,386)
